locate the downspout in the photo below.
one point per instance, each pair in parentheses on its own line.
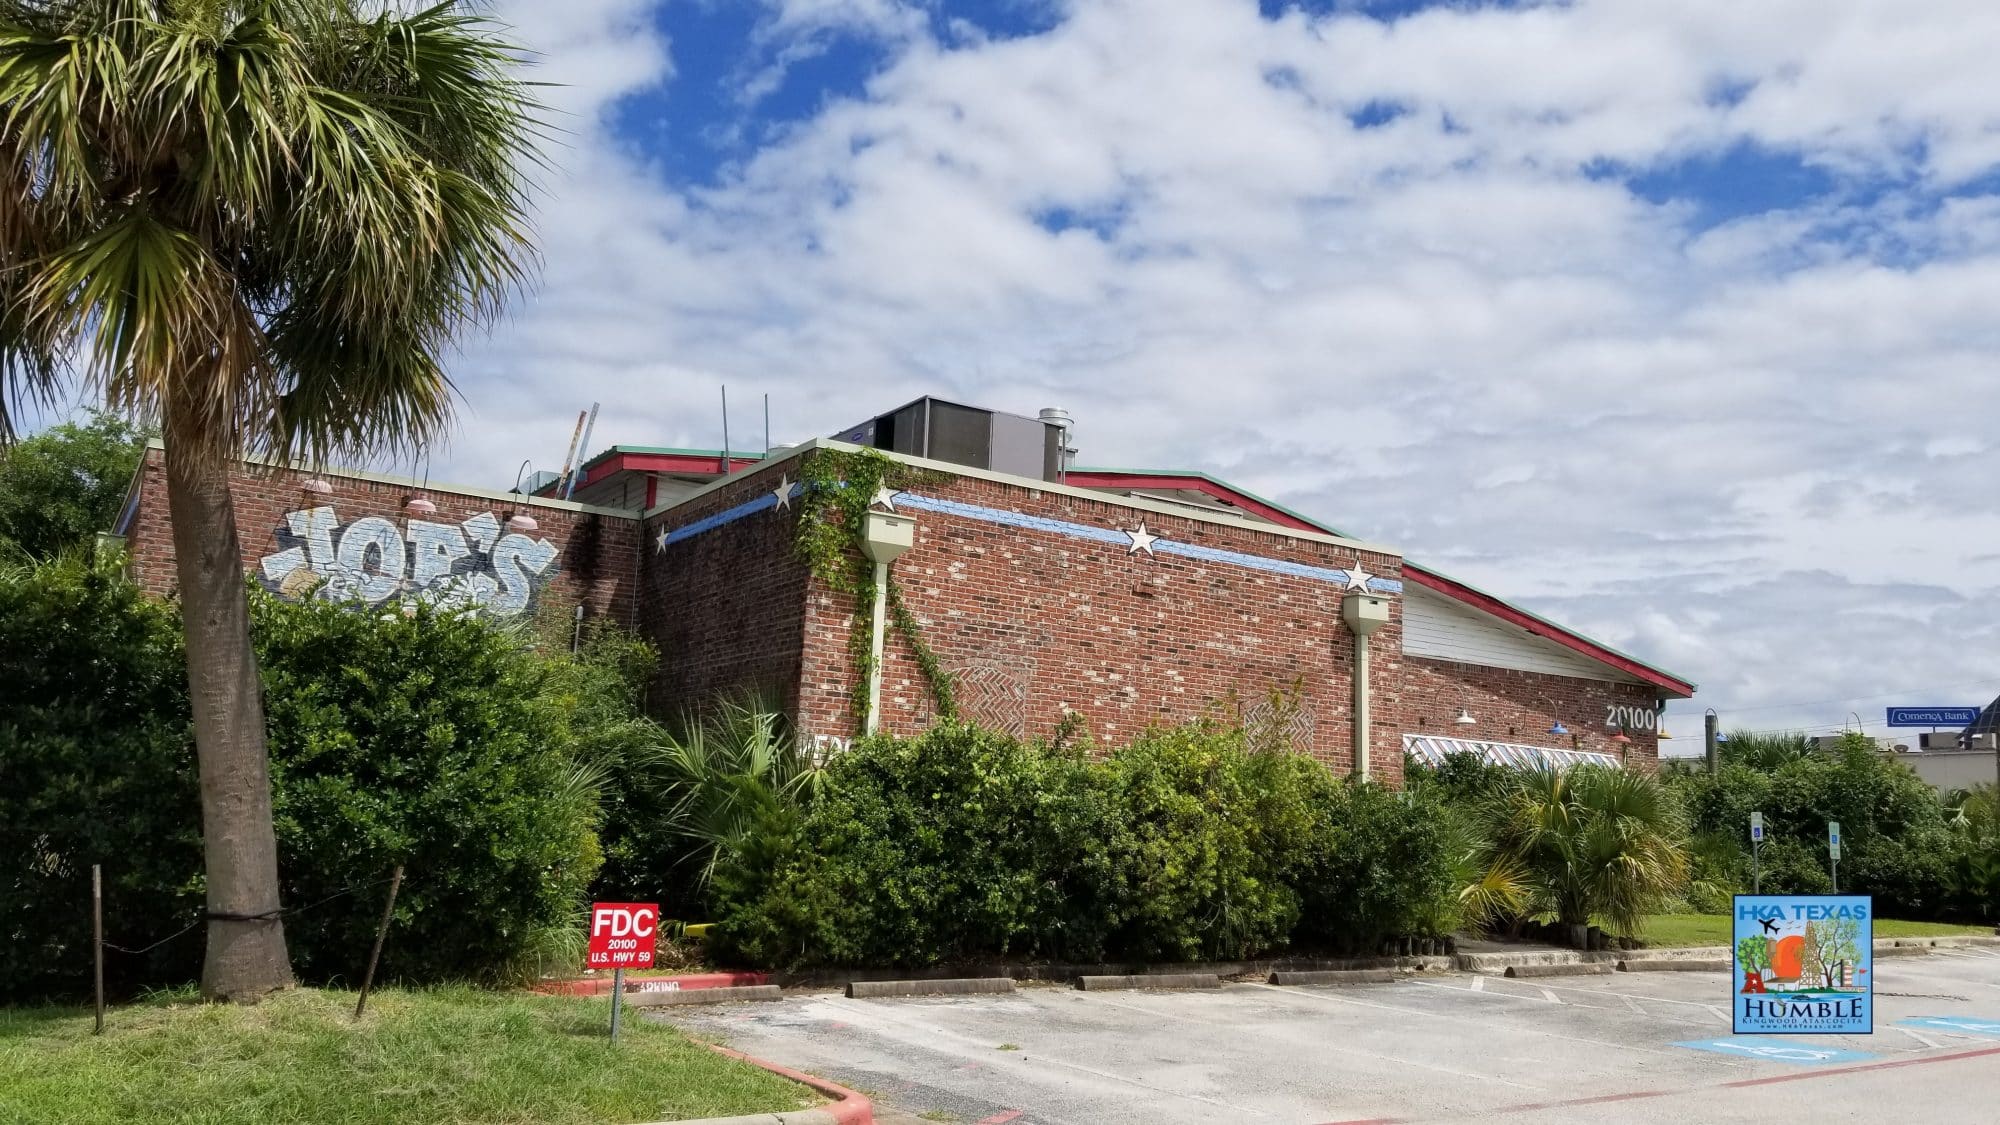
(885,537)
(876,638)
(1364,613)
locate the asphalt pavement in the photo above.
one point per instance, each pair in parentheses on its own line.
(1643,1047)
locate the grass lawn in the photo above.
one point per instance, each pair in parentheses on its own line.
(1672,930)
(438,1055)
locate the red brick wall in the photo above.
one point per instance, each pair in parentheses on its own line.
(726,607)
(597,561)
(1035,624)
(1513,706)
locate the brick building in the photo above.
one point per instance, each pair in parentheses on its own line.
(1127,597)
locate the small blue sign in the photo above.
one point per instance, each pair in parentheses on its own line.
(1805,965)
(1776,1050)
(1979,1026)
(1933,716)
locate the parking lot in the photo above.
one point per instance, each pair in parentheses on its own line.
(1439,1048)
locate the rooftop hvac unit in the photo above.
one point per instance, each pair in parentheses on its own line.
(1986,741)
(966,435)
(1938,740)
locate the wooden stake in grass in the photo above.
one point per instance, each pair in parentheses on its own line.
(381,934)
(97,937)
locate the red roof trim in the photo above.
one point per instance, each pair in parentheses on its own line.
(1485,603)
(686,464)
(1195,484)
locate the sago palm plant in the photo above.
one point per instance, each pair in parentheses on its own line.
(1588,843)
(259,223)
(723,772)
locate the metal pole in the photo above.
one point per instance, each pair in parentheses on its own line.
(382,932)
(1756,868)
(617,999)
(725,448)
(97,937)
(1708,725)
(767,424)
(582,451)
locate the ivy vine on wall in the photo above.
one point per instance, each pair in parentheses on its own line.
(838,488)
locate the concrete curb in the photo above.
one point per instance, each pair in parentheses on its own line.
(1533,958)
(1065,972)
(727,995)
(670,982)
(1580,969)
(1149,980)
(962,986)
(1349,976)
(849,1107)
(1675,965)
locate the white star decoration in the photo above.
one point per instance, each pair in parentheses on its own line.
(1357,578)
(783,492)
(662,540)
(884,497)
(1142,540)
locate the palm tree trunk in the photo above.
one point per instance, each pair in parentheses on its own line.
(246,939)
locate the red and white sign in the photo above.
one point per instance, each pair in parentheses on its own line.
(622,935)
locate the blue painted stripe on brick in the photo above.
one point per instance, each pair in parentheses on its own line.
(1012,519)
(766,501)
(1118,538)
(763,502)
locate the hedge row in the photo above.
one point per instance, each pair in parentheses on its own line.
(962,843)
(428,740)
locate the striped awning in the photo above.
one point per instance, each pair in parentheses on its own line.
(1432,750)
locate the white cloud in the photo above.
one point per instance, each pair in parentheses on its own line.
(1753,453)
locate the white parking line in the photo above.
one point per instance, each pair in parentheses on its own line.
(1924,1039)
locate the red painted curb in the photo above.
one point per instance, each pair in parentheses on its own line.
(849,1107)
(672,982)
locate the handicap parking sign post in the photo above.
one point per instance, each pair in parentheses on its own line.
(1756,845)
(1804,964)
(1833,851)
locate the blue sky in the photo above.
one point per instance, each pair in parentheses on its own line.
(1671,322)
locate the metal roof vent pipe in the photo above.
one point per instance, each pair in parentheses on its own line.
(1061,452)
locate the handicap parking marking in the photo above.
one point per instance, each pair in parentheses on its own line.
(1979,1026)
(1776,1050)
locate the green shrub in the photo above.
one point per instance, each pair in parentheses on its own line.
(432,740)
(952,844)
(1895,840)
(962,843)
(1207,835)
(1380,864)
(96,766)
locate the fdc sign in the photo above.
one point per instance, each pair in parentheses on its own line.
(622,935)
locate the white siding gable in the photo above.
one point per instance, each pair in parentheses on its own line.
(1443,629)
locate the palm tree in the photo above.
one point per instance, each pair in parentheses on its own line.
(1590,842)
(720,774)
(259,222)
